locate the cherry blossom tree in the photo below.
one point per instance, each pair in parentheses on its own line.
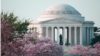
(32,46)
(96,49)
(79,50)
(6,36)
(45,46)
(85,51)
(21,46)
(8,45)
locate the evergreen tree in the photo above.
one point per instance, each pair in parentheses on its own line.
(96,36)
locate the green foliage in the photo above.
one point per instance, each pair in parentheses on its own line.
(97,36)
(10,18)
(19,25)
(95,40)
(95,29)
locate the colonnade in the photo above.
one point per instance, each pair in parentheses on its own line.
(75,35)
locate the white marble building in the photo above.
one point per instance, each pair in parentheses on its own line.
(79,31)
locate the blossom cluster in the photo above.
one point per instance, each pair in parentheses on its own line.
(85,51)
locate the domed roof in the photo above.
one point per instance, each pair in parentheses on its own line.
(60,9)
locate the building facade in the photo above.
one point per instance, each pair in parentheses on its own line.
(75,29)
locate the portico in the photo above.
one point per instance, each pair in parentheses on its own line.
(74,34)
(75,30)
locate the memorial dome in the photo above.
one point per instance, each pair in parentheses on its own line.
(60,9)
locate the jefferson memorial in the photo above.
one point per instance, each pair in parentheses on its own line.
(75,30)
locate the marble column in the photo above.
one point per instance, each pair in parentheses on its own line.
(52,34)
(58,35)
(87,35)
(46,31)
(80,35)
(84,36)
(42,32)
(75,32)
(64,40)
(35,29)
(30,30)
(70,35)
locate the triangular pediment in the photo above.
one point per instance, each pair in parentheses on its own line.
(61,20)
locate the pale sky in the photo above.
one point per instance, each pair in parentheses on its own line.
(31,9)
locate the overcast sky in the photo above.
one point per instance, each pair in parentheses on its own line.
(31,9)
